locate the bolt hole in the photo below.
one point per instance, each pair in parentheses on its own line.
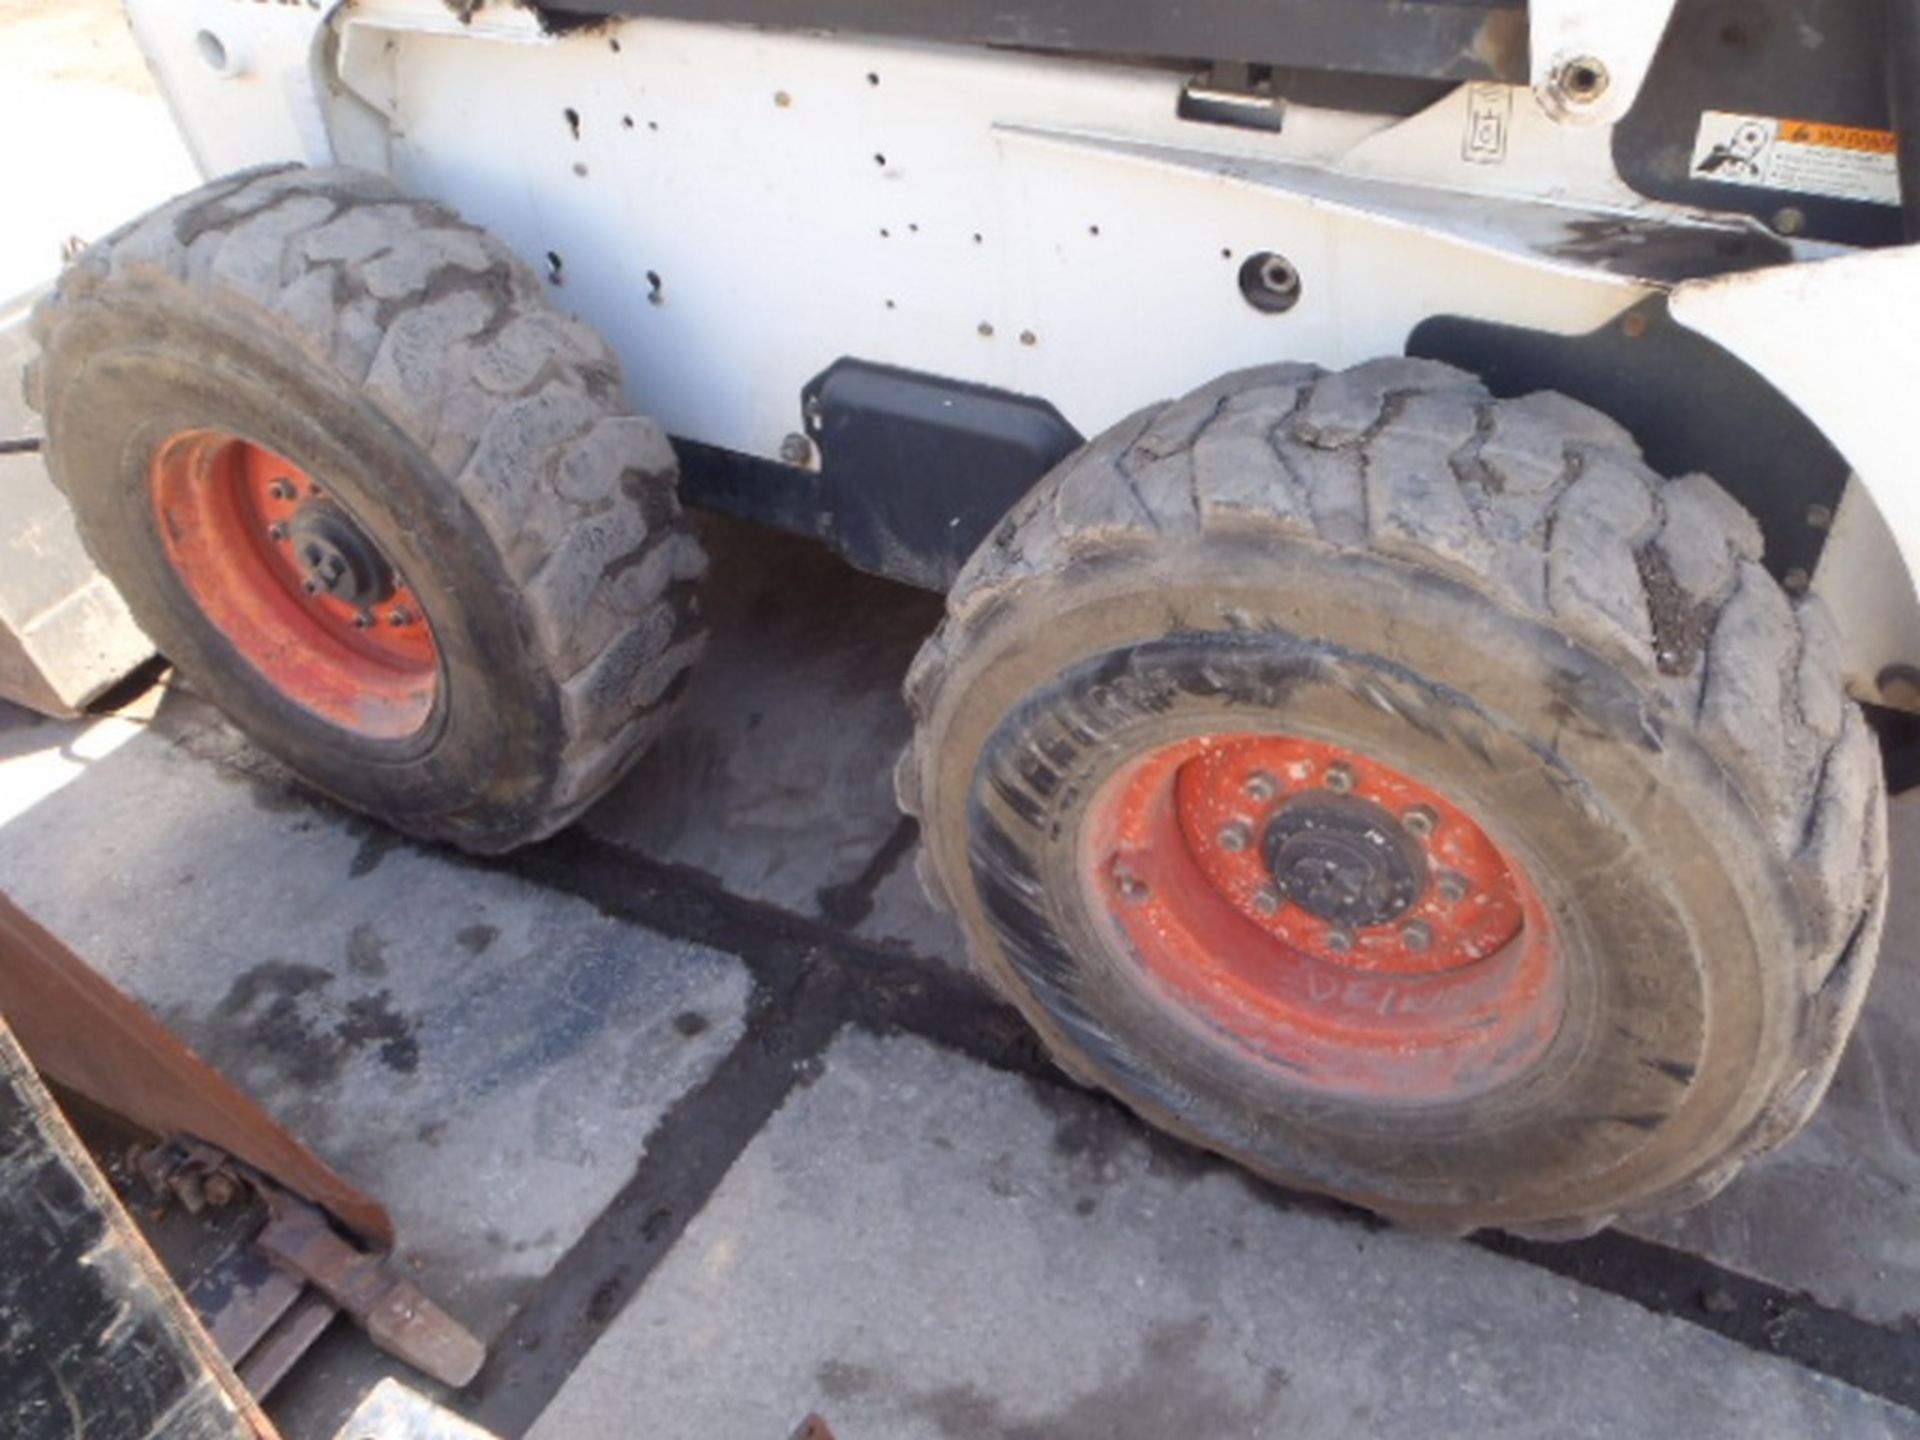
(873,77)
(613,44)
(1583,80)
(880,160)
(213,52)
(1094,230)
(554,267)
(626,122)
(978,238)
(1270,283)
(654,125)
(572,117)
(656,288)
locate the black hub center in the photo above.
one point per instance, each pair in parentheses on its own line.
(1344,859)
(337,558)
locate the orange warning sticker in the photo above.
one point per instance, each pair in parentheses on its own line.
(1838,137)
(1797,157)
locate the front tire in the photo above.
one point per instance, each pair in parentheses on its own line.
(1209,709)
(376,497)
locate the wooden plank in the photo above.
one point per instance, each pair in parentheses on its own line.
(85,1034)
(94,1338)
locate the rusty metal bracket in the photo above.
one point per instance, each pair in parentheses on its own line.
(395,1314)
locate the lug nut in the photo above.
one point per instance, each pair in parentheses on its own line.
(1262,786)
(1420,820)
(1453,888)
(1416,935)
(1339,941)
(1267,902)
(1236,836)
(1339,778)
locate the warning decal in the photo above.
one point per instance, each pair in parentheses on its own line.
(1805,157)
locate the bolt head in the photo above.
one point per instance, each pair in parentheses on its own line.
(1420,820)
(276,532)
(282,490)
(362,620)
(1267,902)
(1339,778)
(796,449)
(1453,888)
(1416,936)
(1236,836)
(1339,941)
(1261,786)
(400,617)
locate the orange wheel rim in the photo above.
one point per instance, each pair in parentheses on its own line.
(1341,920)
(290,578)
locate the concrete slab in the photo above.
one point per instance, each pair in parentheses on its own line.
(486,1057)
(923,1249)
(777,779)
(1833,1213)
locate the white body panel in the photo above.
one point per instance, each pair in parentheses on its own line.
(736,209)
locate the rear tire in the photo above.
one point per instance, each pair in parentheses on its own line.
(411,375)
(1495,599)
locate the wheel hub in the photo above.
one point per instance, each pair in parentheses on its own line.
(1346,921)
(1345,860)
(336,558)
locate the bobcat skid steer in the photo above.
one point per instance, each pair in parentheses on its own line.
(1425,761)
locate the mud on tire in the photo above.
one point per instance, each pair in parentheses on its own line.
(1498,595)
(479,436)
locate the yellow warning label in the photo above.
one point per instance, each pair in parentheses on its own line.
(1838,137)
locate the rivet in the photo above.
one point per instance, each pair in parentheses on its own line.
(363,620)
(1453,888)
(1235,836)
(1339,941)
(1262,786)
(282,490)
(1416,935)
(796,449)
(1339,778)
(276,532)
(400,617)
(1420,820)
(1267,902)
(1820,517)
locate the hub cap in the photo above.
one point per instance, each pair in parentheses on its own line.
(295,584)
(1341,920)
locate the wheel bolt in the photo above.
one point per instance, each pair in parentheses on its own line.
(1416,935)
(1267,902)
(1131,887)
(1236,836)
(363,620)
(1420,820)
(1262,786)
(400,617)
(1453,888)
(276,532)
(282,490)
(1339,941)
(1339,778)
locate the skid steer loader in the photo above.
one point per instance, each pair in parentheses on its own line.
(1428,760)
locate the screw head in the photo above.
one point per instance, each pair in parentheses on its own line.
(1339,778)
(1267,902)
(1420,820)
(1416,936)
(1583,79)
(1339,941)
(1236,836)
(1261,786)
(1453,888)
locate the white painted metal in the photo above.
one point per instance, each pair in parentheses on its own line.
(1838,339)
(1614,40)
(735,209)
